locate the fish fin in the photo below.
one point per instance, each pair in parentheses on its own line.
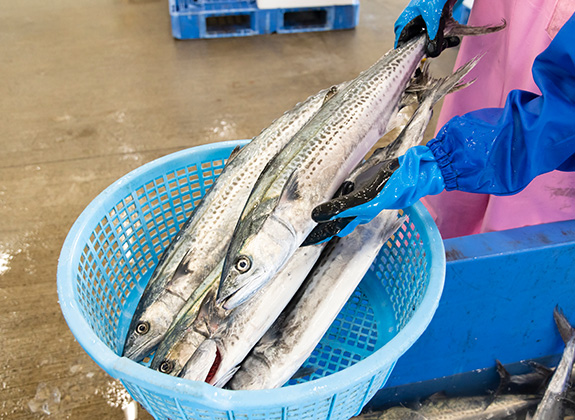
(208,310)
(291,189)
(221,382)
(504,378)
(181,269)
(540,368)
(565,329)
(438,88)
(234,153)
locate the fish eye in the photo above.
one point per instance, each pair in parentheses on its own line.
(243,264)
(143,328)
(167,366)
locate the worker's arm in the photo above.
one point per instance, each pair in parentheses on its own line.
(494,151)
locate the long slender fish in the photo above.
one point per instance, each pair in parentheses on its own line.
(309,170)
(188,331)
(202,242)
(551,406)
(292,338)
(236,332)
(459,408)
(368,178)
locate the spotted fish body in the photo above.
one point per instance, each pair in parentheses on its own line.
(202,242)
(309,170)
(292,338)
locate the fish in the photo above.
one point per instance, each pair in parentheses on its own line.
(233,333)
(188,331)
(551,406)
(440,407)
(525,383)
(307,172)
(369,178)
(201,243)
(292,338)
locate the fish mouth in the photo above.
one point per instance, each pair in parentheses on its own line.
(139,352)
(241,294)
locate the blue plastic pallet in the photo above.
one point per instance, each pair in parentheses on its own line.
(192,19)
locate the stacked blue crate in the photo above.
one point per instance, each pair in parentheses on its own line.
(216,18)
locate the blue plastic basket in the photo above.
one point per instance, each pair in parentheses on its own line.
(219,18)
(111,249)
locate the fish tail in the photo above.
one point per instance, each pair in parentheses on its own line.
(565,329)
(454,28)
(504,378)
(438,88)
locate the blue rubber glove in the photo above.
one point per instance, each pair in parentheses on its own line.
(500,150)
(421,15)
(417,175)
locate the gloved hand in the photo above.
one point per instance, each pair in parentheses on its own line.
(420,15)
(417,175)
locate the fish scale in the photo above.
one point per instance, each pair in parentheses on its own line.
(308,171)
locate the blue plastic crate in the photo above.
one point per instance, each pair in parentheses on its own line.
(216,19)
(112,248)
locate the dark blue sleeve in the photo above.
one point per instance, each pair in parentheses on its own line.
(500,150)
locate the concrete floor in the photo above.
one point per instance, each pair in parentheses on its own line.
(92,90)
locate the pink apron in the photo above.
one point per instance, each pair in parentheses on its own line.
(506,65)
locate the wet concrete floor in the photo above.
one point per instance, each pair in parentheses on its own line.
(92,90)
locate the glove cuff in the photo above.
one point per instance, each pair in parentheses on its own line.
(444,162)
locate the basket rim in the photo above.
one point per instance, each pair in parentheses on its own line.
(126,369)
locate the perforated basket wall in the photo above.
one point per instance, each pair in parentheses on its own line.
(112,248)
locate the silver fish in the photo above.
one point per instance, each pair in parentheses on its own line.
(292,338)
(202,242)
(439,407)
(369,178)
(551,406)
(477,408)
(313,165)
(309,170)
(233,333)
(188,331)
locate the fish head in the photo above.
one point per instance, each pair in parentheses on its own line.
(202,363)
(148,328)
(249,267)
(172,355)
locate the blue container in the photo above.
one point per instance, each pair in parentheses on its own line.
(216,18)
(110,252)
